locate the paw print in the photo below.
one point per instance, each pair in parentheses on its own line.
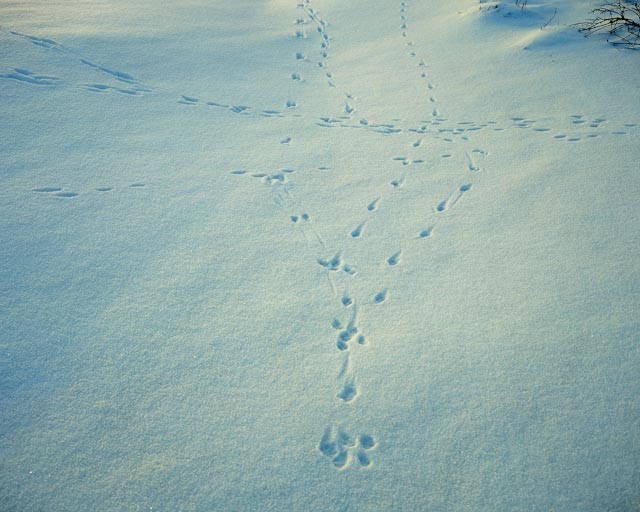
(303,217)
(337,264)
(344,450)
(348,332)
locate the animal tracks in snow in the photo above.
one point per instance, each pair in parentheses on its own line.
(345,450)
(349,391)
(29,77)
(55,191)
(421,154)
(359,230)
(134,87)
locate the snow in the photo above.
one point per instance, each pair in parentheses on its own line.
(238,274)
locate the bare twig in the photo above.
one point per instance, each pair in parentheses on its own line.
(620,19)
(555,11)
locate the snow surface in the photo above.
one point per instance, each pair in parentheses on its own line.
(365,255)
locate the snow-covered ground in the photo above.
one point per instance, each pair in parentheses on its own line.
(367,255)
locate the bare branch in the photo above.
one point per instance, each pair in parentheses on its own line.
(620,19)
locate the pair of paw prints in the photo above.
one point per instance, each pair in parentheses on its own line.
(348,332)
(303,217)
(60,192)
(344,450)
(336,264)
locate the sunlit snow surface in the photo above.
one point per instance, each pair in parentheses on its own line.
(367,255)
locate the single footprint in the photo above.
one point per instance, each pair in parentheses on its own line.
(363,458)
(381,296)
(367,442)
(373,205)
(188,100)
(349,391)
(425,233)
(349,270)
(47,189)
(328,445)
(341,461)
(359,230)
(465,187)
(394,259)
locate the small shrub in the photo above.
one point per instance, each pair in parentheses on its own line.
(620,19)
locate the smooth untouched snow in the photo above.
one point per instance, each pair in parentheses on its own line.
(366,255)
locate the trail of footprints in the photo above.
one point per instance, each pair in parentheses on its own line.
(134,87)
(581,127)
(55,191)
(26,76)
(343,449)
(128,84)
(313,18)
(422,63)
